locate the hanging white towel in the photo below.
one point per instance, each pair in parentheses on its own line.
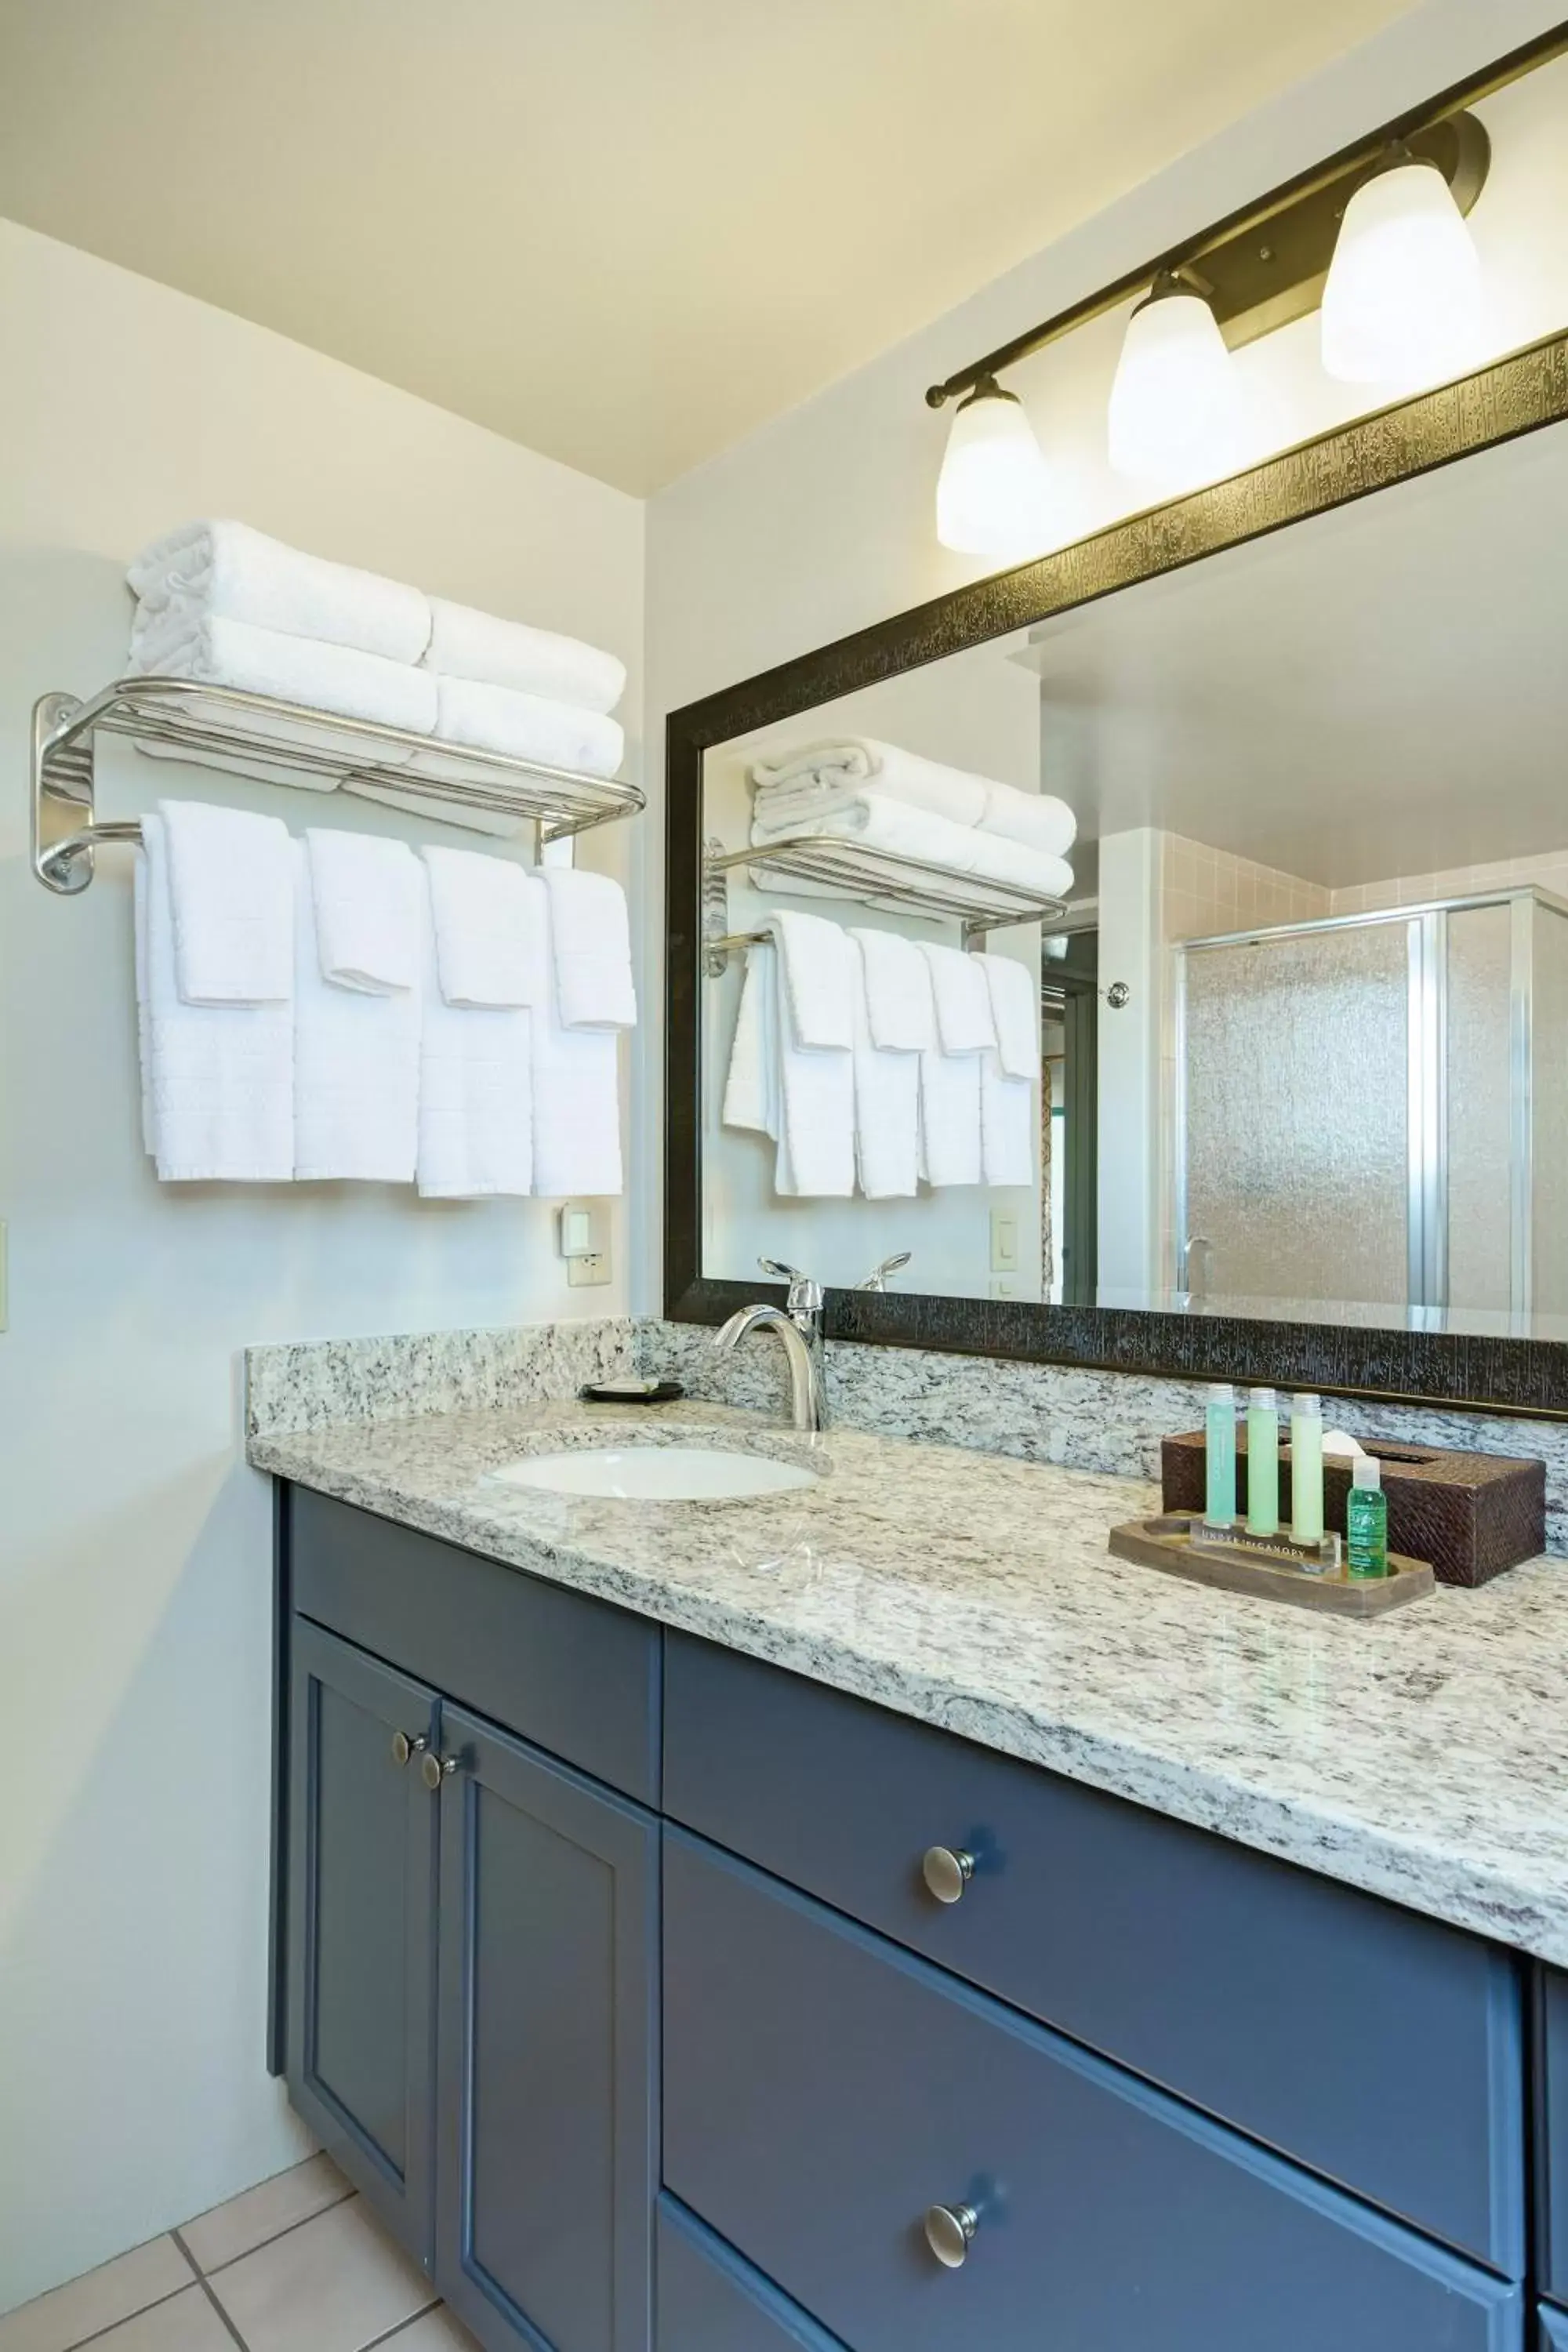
(965,1022)
(816,977)
(577,1087)
(465,643)
(817,965)
(898,991)
(886,1105)
(751,1086)
(1009,1072)
(590,947)
(226,568)
(483,910)
(365,905)
(949,1078)
(231,889)
(216,651)
(476,1094)
(526,726)
(356,1051)
(217,1080)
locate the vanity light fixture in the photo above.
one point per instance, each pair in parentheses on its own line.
(1176,416)
(994,495)
(1405,306)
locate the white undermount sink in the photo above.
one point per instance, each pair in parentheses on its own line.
(657,1474)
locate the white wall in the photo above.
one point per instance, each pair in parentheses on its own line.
(134,1549)
(821,522)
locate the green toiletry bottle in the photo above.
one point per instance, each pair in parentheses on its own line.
(1366,1521)
(1262,1462)
(1219,1456)
(1307,1469)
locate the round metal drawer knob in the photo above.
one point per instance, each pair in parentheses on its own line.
(949,2232)
(947,1871)
(403,1748)
(436,1769)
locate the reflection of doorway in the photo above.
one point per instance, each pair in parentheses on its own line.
(1069,1006)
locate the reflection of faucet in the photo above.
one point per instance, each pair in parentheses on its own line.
(799,1326)
(877,1278)
(1195,1256)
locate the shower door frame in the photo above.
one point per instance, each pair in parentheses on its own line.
(1427,1128)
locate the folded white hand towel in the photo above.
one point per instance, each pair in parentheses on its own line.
(591,945)
(841,766)
(1014,993)
(964,1021)
(1038,819)
(217,1080)
(525,726)
(898,991)
(1008,1129)
(484,911)
(230,568)
(950,1077)
(815,973)
(365,907)
(221,652)
(356,1050)
(465,643)
(231,890)
(577,1087)
(886,1105)
(874,821)
(476,1092)
(751,1086)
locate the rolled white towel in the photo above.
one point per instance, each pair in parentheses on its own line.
(876,821)
(1037,819)
(227,569)
(466,642)
(221,652)
(525,726)
(840,767)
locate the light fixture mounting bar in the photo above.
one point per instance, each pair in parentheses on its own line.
(1432,130)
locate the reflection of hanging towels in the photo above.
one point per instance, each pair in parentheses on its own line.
(949,1076)
(817,968)
(1008,1129)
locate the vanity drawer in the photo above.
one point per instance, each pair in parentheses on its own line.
(710,2301)
(1552,2133)
(1379,2048)
(823,2089)
(568,1673)
(1553,2330)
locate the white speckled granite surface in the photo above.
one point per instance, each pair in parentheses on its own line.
(1422,1757)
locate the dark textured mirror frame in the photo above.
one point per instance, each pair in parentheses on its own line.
(1516,396)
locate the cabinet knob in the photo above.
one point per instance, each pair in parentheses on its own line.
(403,1748)
(950,2231)
(436,1769)
(947,1871)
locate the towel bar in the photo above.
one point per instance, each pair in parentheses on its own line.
(184,714)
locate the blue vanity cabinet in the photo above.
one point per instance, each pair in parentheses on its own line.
(362,1913)
(1553,2330)
(711,2301)
(830,2099)
(546,2159)
(1551,2131)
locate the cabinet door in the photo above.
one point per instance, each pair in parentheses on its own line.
(546,2053)
(361,1925)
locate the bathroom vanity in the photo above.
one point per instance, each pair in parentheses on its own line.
(871,1918)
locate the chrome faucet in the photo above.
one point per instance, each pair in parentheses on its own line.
(799,1326)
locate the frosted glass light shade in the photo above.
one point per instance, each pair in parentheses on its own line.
(1176,416)
(994,495)
(1405,304)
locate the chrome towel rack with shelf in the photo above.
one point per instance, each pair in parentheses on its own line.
(188,715)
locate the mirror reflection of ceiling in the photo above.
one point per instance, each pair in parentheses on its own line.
(1380,691)
(622,232)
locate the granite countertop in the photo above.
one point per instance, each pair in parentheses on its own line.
(1422,1756)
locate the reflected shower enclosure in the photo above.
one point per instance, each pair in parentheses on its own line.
(1371,1111)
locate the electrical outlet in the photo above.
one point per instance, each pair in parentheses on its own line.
(1004,1243)
(587,1272)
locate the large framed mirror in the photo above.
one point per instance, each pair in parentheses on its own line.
(1252,811)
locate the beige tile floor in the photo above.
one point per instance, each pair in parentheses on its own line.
(296,2264)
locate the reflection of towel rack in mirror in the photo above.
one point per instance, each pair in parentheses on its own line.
(188,715)
(873,876)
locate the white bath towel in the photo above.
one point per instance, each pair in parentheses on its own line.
(228,569)
(591,948)
(951,1076)
(751,1084)
(476,1094)
(365,905)
(1039,820)
(217,1080)
(816,971)
(887,1104)
(874,821)
(221,652)
(483,911)
(1013,989)
(964,1021)
(898,991)
(526,726)
(839,768)
(231,894)
(356,1050)
(577,1087)
(1008,1073)
(465,643)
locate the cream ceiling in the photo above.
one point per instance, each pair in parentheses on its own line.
(622,231)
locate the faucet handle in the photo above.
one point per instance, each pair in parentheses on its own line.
(877,1278)
(804,1294)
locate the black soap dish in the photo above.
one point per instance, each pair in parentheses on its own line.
(631,1388)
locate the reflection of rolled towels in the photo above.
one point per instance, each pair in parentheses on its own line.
(839,768)
(875,822)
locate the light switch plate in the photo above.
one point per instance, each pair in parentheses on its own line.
(1004,1241)
(578,1230)
(586,1273)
